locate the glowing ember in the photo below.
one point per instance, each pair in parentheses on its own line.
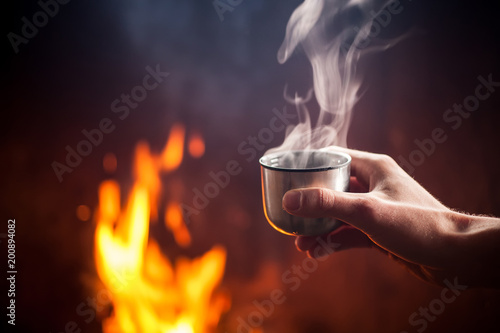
(150,293)
(109,163)
(196,145)
(83,212)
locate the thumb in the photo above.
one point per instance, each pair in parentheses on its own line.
(352,208)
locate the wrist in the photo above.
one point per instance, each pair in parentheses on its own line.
(474,248)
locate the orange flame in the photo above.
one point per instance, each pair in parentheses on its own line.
(146,172)
(175,222)
(150,293)
(173,152)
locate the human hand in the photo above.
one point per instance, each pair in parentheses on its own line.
(390,211)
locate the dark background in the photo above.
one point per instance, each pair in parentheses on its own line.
(224,82)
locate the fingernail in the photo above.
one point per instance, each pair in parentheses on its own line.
(291,201)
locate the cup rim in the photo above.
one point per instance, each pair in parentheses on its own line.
(331,152)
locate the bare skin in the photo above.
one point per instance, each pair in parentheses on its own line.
(390,211)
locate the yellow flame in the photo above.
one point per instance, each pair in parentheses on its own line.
(149,292)
(120,250)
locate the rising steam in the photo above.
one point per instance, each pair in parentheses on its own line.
(334,35)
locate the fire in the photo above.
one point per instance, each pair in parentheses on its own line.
(175,222)
(150,292)
(174,149)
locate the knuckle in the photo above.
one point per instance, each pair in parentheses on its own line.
(385,162)
(320,200)
(324,200)
(367,207)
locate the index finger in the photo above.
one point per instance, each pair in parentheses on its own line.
(365,166)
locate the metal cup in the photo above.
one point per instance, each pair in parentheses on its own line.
(284,171)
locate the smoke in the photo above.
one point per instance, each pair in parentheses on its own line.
(334,35)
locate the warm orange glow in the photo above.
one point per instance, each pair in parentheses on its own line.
(83,212)
(109,200)
(196,145)
(151,293)
(173,152)
(146,172)
(109,163)
(175,222)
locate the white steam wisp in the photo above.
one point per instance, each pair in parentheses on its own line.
(330,33)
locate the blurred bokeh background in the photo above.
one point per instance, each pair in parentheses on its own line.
(224,82)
